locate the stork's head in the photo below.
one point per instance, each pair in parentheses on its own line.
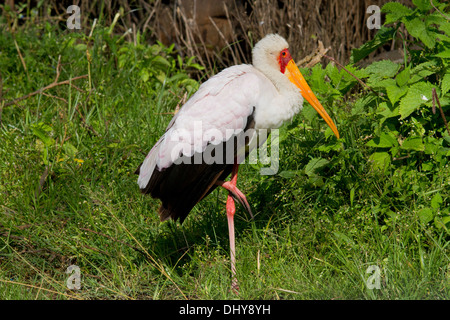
(271,56)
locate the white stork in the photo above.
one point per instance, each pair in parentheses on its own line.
(238,100)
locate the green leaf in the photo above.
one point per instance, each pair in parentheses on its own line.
(445,27)
(417,95)
(446,220)
(425,215)
(144,74)
(445,84)
(424,70)
(362,103)
(317,78)
(70,149)
(383,83)
(316,180)
(395,11)
(287,174)
(427,166)
(190,84)
(403,77)
(436,201)
(196,66)
(395,93)
(443,54)
(387,111)
(432,144)
(417,28)
(40,130)
(413,143)
(423,5)
(179,77)
(352,196)
(308,112)
(383,68)
(314,164)
(435,18)
(161,76)
(417,126)
(343,237)
(160,61)
(80,47)
(381,37)
(330,147)
(385,140)
(380,160)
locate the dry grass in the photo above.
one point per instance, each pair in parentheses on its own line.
(228,37)
(222,33)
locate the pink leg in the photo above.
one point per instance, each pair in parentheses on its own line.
(231,210)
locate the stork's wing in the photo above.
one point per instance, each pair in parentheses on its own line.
(222,108)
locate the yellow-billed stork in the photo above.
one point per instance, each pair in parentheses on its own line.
(237,100)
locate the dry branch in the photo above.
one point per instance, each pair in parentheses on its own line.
(21,59)
(42,180)
(314,58)
(1,97)
(52,85)
(435,98)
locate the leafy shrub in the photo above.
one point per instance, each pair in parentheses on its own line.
(395,131)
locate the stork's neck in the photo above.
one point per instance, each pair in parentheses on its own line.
(277,108)
(279,80)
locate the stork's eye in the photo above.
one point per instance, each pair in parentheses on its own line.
(283,59)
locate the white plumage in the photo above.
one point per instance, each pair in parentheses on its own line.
(224,103)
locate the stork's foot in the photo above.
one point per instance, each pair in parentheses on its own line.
(234,286)
(237,194)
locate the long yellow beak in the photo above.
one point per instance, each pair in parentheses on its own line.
(297,78)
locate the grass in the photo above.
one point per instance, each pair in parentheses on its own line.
(68,194)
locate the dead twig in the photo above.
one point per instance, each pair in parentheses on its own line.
(181,103)
(113,239)
(21,59)
(224,39)
(445,16)
(52,85)
(58,69)
(1,97)
(401,158)
(42,180)
(435,98)
(150,15)
(83,120)
(314,58)
(56,97)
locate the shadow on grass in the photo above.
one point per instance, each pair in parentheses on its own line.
(206,227)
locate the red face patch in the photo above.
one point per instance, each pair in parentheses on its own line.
(283,59)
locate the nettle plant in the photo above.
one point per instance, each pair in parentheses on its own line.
(392,115)
(412,97)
